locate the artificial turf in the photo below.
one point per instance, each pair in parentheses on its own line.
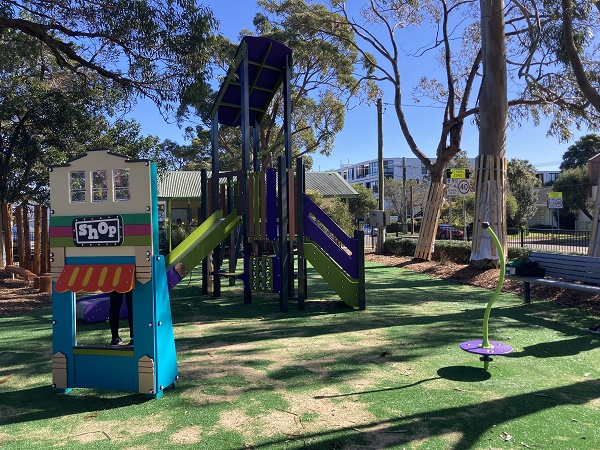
(327,377)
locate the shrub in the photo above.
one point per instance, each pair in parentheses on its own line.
(400,246)
(454,251)
(393,228)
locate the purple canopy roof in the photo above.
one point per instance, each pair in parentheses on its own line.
(266,69)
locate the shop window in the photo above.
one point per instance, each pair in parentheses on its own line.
(99,186)
(77,187)
(121,185)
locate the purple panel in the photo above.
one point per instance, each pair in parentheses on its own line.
(346,262)
(264,53)
(95,308)
(271,204)
(173,278)
(474,347)
(311,207)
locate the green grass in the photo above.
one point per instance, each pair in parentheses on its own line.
(328,377)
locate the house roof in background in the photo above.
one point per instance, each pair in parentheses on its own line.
(542,192)
(179,184)
(329,184)
(187,184)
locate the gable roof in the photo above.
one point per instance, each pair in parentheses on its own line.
(329,184)
(187,184)
(266,59)
(179,184)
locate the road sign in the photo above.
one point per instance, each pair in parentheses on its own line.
(454,172)
(555,203)
(555,200)
(460,187)
(464,187)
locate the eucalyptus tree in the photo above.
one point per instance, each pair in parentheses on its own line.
(583,149)
(395,37)
(574,184)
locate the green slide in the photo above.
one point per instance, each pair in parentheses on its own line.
(198,245)
(346,287)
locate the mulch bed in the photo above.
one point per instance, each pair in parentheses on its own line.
(17,296)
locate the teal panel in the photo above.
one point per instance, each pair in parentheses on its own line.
(166,360)
(105,372)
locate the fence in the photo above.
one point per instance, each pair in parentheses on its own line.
(559,240)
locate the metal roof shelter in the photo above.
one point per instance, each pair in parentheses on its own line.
(260,67)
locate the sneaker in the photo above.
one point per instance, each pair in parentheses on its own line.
(116,341)
(595,330)
(131,342)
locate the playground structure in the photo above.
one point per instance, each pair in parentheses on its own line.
(104,236)
(25,241)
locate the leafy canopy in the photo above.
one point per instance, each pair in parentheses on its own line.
(584,148)
(574,185)
(154,48)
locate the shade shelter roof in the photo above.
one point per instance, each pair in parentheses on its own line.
(266,68)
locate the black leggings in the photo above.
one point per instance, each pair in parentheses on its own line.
(114,312)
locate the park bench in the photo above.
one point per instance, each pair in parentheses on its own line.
(581,273)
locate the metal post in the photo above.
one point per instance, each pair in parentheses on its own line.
(381,187)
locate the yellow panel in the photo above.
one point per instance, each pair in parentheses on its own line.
(139,175)
(146,375)
(72,252)
(59,371)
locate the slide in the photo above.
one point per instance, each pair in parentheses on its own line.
(340,268)
(346,287)
(198,245)
(180,262)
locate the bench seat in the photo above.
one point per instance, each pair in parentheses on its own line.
(576,272)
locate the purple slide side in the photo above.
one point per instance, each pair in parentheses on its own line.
(311,230)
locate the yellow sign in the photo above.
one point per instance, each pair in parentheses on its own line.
(554,194)
(458,173)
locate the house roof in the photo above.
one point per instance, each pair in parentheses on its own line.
(329,184)
(542,192)
(187,184)
(179,184)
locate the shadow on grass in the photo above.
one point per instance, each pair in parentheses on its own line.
(470,422)
(564,347)
(40,403)
(375,391)
(465,374)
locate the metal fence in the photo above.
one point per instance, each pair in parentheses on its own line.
(558,240)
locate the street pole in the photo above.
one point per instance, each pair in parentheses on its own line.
(381,190)
(404,221)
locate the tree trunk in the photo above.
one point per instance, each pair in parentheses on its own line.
(490,191)
(429,224)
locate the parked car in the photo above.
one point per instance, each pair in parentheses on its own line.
(368,230)
(444,230)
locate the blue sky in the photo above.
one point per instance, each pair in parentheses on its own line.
(358,141)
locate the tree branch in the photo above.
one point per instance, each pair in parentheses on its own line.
(582,81)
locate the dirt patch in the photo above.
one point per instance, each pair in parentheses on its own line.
(17,296)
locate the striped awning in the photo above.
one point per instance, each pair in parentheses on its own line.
(96,277)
